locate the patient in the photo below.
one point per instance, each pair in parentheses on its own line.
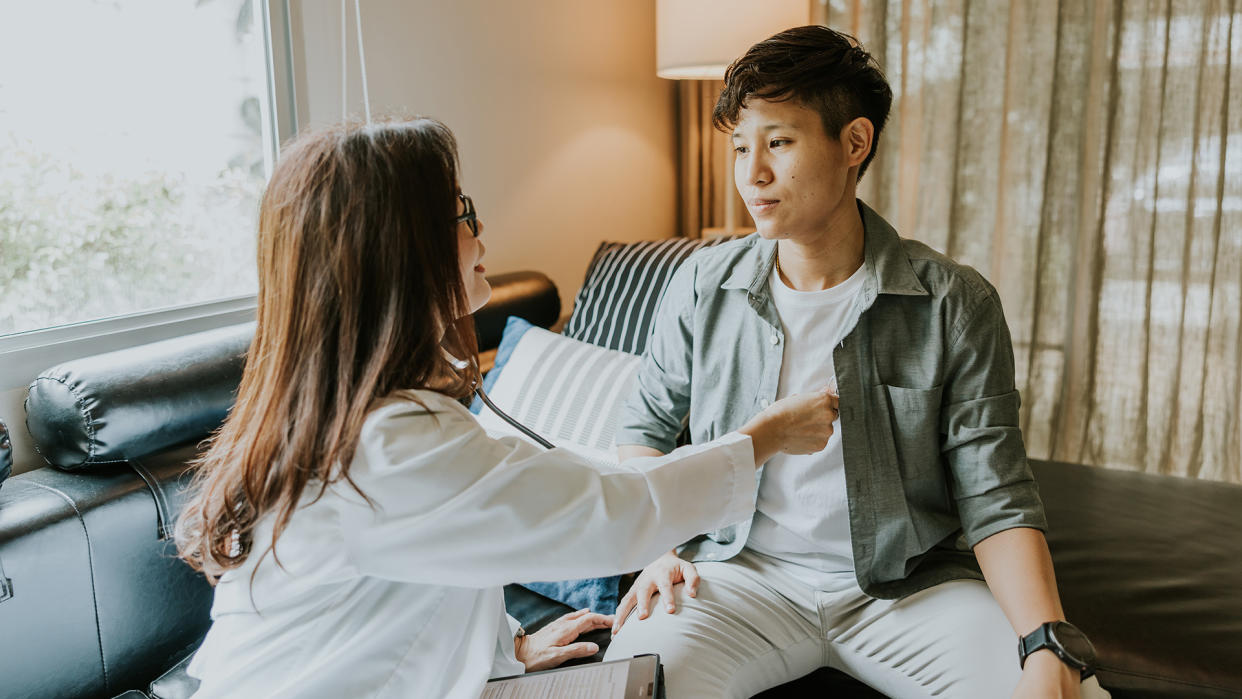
(910,552)
(358,522)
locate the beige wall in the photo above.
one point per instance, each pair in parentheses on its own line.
(566,135)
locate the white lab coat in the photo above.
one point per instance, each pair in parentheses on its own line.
(403,598)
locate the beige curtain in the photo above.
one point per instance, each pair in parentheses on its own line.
(704,156)
(1085,156)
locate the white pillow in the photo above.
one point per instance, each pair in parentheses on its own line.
(567,391)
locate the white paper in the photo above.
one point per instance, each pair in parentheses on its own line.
(593,681)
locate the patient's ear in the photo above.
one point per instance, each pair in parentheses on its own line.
(857,137)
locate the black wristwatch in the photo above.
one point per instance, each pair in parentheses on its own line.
(1063,638)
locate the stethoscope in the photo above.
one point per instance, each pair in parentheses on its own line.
(460,364)
(478,391)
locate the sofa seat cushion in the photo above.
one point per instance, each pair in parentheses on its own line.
(52,647)
(103,602)
(1150,567)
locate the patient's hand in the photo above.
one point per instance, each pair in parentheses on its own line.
(661,576)
(554,643)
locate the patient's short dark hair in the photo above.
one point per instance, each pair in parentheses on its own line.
(821,69)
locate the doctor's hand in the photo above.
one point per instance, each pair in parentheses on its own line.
(798,424)
(554,643)
(665,572)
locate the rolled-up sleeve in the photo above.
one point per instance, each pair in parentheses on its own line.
(990,478)
(655,411)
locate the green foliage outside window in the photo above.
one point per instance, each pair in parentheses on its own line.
(74,247)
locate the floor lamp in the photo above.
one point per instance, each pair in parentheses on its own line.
(698,39)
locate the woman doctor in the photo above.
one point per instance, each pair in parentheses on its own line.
(358,521)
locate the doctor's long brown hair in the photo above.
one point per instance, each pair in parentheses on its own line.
(358,273)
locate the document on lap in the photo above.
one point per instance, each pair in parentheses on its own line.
(632,678)
(603,680)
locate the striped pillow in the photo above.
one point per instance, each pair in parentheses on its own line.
(617,303)
(567,391)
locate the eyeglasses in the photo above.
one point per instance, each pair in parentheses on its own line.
(470,217)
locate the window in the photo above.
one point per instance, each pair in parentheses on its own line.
(135,141)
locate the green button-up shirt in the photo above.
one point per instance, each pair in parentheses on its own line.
(934,460)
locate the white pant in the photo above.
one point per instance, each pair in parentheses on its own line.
(753,626)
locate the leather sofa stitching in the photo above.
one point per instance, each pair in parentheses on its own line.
(90,563)
(83,411)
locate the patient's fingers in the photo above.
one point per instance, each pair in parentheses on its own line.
(691,575)
(624,608)
(644,600)
(622,611)
(666,593)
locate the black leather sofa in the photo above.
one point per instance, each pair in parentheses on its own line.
(94,603)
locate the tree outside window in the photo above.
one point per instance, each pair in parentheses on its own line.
(131,157)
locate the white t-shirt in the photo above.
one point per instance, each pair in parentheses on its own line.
(403,598)
(802,517)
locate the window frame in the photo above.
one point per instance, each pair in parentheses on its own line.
(23,355)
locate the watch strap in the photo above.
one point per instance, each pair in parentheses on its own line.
(1041,638)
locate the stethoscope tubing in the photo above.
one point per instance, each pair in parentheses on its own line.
(478,391)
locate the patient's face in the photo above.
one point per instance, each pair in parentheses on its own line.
(791,175)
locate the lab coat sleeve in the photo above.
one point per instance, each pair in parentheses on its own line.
(452,506)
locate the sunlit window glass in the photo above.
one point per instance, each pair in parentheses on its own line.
(132,140)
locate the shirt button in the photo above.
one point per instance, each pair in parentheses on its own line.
(774,339)
(764,403)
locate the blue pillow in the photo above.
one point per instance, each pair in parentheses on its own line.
(600,595)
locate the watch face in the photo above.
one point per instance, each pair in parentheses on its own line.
(1073,641)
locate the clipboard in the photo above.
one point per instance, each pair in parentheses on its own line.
(639,677)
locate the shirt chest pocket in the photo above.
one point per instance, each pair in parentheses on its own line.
(914,426)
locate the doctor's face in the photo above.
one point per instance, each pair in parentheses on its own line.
(470,251)
(792,175)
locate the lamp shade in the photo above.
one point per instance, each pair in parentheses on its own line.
(698,39)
